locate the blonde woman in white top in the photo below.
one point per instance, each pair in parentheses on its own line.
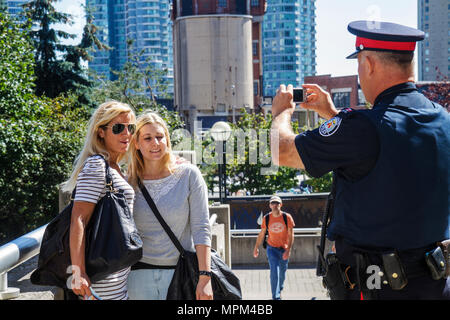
(109,134)
(181,196)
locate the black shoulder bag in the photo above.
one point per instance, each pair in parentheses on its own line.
(225,284)
(112,241)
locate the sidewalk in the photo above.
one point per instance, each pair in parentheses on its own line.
(301,283)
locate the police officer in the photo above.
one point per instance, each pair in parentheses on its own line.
(391,169)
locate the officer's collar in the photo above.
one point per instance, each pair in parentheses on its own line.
(403,87)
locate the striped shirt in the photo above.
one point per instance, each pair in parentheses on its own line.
(91,187)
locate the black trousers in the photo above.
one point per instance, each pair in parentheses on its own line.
(421,285)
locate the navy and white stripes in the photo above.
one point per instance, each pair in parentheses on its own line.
(91,186)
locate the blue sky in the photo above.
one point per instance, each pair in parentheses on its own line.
(333,43)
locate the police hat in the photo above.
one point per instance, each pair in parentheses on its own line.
(383,36)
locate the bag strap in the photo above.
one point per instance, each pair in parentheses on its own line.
(108,176)
(285,219)
(109,180)
(163,223)
(267,224)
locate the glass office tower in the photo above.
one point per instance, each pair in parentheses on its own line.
(15,6)
(434,52)
(147,23)
(289,43)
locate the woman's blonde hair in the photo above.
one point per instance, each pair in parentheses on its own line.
(136,164)
(93,143)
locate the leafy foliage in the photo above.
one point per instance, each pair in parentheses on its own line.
(58,67)
(249,166)
(135,85)
(322,184)
(39,138)
(437,91)
(16,68)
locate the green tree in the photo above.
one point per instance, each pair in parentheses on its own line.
(16,68)
(321,184)
(135,85)
(39,138)
(58,67)
(49,69)
(3,6)
(249,165)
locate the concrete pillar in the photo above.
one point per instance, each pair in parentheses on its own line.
(223,217)
(64,198)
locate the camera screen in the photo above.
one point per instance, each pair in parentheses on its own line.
(298,95)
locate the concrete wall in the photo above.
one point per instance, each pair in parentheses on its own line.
(304,251)
(224,240)
(306,210)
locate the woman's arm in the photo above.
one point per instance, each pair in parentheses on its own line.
(90,184)
(200,230)
(81,213)
(204,288)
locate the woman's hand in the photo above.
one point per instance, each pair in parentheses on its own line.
(204,288)
(80,284)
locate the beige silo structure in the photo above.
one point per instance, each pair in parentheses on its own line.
(212,67)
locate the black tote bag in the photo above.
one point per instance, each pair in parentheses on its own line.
(112,241)
(225,284)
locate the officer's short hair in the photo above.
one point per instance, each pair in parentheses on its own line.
(404,60)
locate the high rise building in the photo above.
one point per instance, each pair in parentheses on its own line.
(289,43)
(15,6)
(434,51)
(146,22)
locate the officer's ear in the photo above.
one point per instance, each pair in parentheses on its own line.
(370,62)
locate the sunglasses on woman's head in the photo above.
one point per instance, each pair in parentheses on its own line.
(119,127)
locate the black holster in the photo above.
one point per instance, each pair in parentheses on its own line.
(362,263)
(334,279)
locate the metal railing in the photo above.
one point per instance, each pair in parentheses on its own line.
(27,246)
(15,253)
(20,250)
(298,232)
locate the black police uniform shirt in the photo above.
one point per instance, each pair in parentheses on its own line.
(347,144)
(392,172)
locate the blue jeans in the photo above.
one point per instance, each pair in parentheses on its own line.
(278,268)
(149,284)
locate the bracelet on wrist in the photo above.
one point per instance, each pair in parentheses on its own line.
(204,273)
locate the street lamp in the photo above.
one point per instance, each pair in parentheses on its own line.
(221,132)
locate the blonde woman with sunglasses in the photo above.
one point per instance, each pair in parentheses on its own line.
(109,134)
(180,194)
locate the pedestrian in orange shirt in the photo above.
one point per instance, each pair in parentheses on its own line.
(279,243)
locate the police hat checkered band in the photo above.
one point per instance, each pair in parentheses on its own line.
(383,36)
(275,199)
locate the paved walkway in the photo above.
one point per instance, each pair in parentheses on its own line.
(301,284)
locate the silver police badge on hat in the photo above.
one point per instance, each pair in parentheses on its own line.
(330,127)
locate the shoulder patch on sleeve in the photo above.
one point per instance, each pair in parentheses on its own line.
(330,127)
